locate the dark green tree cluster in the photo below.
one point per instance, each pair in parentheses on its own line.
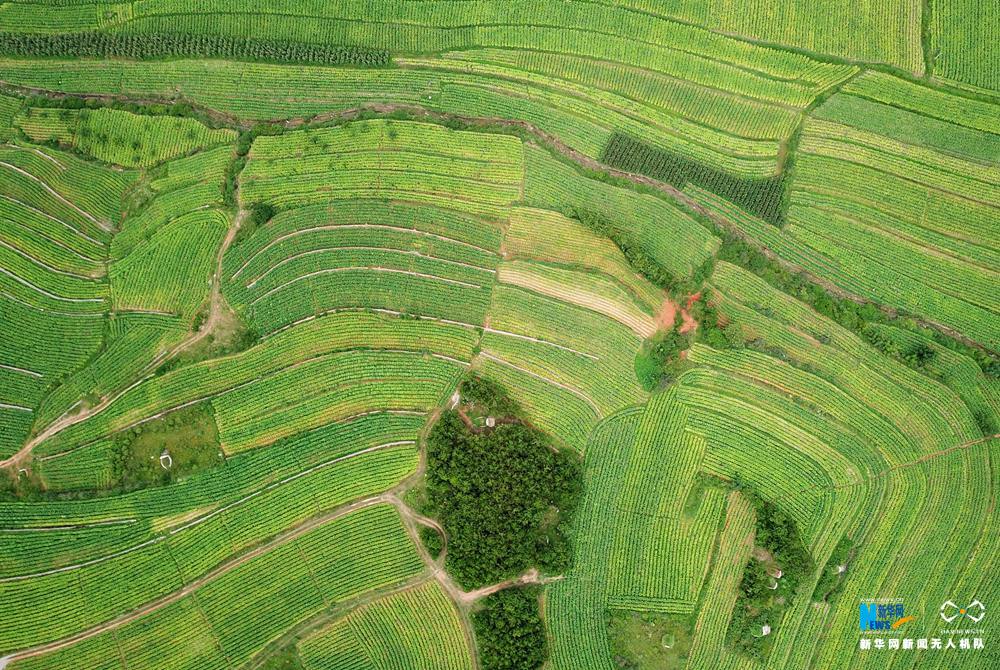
(509,631)
(504,497)
(764,599)
(260,214)
(777,532)
(185,45)
(432,541)
(832,577)
(656,364)
(489,396)
(189,435)
(713,329)
(916,355)
(762,197)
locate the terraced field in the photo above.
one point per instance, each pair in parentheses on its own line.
(728,269)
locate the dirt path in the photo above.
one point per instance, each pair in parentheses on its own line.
(63,422)
(216,301)
(564,387)
(216,307)
(531,576)
(910,464)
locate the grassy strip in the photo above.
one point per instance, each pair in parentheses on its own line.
(852,315)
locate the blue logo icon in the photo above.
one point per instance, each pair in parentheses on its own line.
(875,616)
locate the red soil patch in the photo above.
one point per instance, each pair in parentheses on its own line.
(687,323)
(667,314)
(692,299)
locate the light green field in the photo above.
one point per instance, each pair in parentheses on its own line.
(739,259)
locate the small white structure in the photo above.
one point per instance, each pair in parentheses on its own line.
(490,422)
(456,398)
(841,569)
(166,462)
(765,630)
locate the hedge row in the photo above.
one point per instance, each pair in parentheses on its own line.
(171,45)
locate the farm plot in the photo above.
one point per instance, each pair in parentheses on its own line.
(161,261)
(666,531)
(431,251)
(415,162)
(576,605)
(722,588)
(437,350)
(53,241)
(827,465)
(9,107)
(914,414)
(377,262)
(966,50)
(226,623)
(120,137)
(890,245)
(413,630)
(65,533)
(666,232)
(955,484)
(895,198)
(189,548)
(567,305)
(578,70)
(400,257)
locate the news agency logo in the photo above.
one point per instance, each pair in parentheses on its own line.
(974,611)
(878,616)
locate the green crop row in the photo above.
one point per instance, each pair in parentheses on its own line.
(665,231)
(575,607)
(172,44)
(346,330)
(964,49)
(662,547)
(142,573)
(88,528)
(119,137)
(412,630)
(223,622)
